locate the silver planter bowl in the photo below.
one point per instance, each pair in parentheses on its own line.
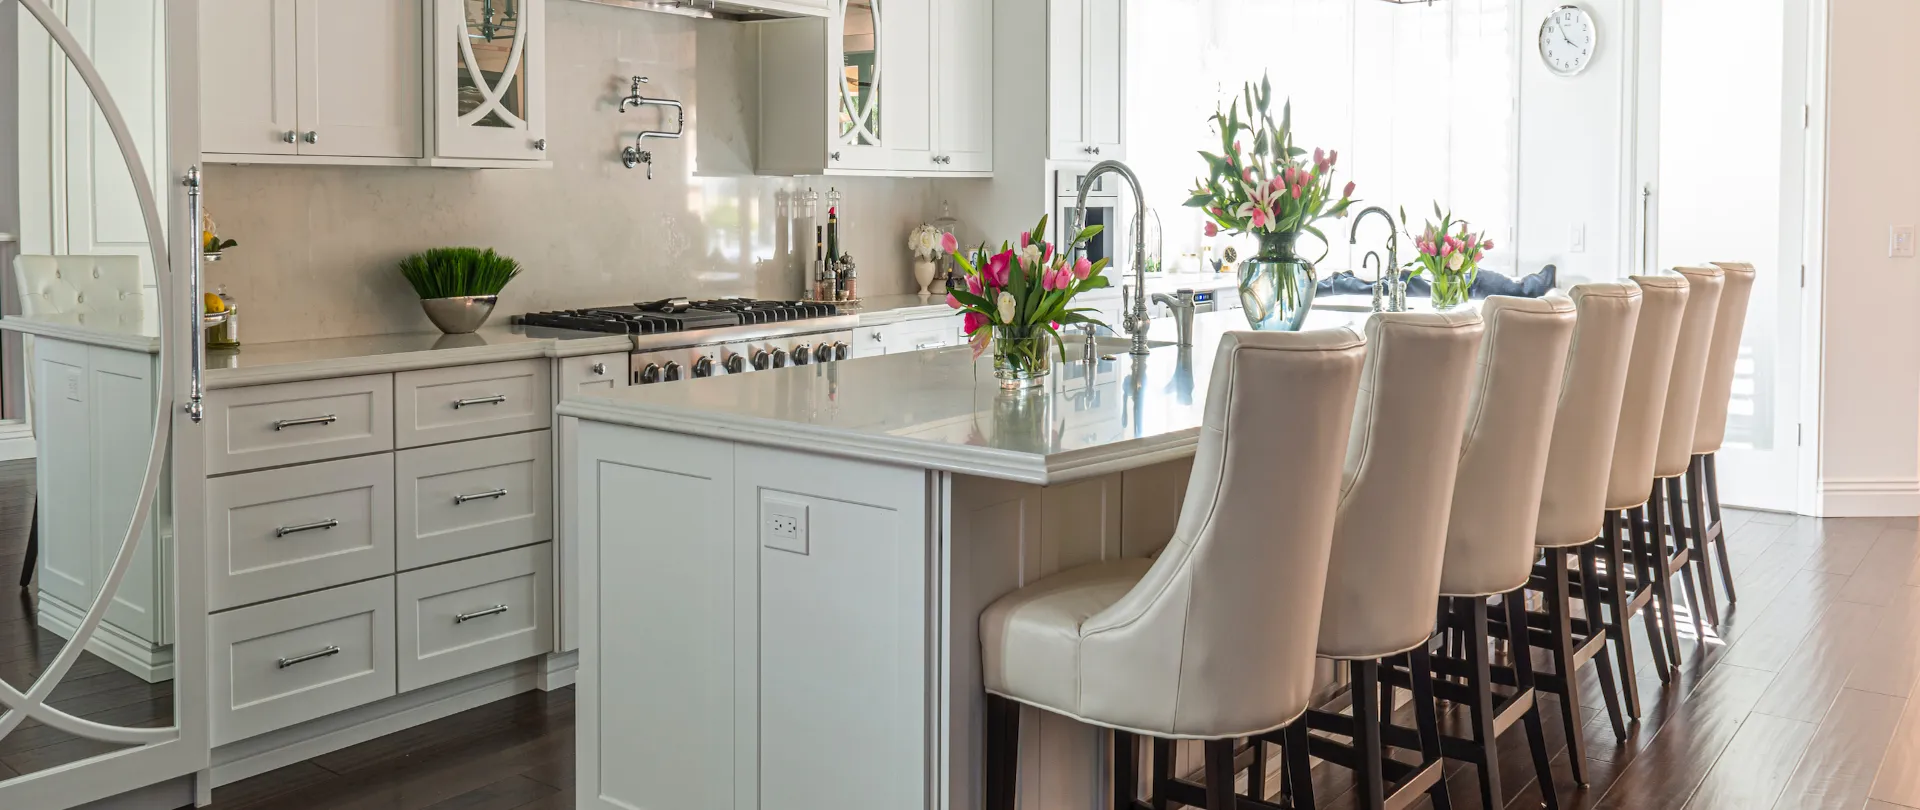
(458,316)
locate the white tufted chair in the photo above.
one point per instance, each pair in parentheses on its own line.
(103,285)
(1665,505)
(1496,505)
(1214,639)
(1703,473)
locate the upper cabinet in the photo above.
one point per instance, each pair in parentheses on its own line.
(880,87)
(345,82)
(1086,77)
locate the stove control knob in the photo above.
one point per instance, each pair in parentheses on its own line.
(824,353)
(761,360)
(736,364)
(803,354)
(650,374)
(779,358)
(703,367)
(840,350)
(670,372)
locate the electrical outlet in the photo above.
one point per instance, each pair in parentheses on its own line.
(72,384)
(1900,242)
(783,525)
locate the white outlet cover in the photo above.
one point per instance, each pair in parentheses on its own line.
(1577,238)
(1900,242)
(75,391)
(783,524)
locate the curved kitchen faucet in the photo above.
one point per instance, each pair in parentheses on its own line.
(634,155)
(1137,321)
(1389,283)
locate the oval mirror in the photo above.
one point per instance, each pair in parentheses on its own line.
(860,73)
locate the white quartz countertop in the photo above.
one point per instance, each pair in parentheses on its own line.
(132,331)
(942,409)
(259,363)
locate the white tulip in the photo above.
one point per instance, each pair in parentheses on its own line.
(1006,305)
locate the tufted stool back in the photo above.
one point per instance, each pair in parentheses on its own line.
(52,285)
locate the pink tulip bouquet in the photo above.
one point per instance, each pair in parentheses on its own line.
(1273,189)
(1448,255)
(1018,298)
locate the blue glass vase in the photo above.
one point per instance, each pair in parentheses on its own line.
(1277,286)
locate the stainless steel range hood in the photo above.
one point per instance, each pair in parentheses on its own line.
(721,9)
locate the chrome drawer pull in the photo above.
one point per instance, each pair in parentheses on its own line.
(311,420)
(492,400)
(925,346)
(283,531)
(480,614)
(301,659)
(497,493)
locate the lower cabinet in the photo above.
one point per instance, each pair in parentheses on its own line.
(467,616)
(287,662)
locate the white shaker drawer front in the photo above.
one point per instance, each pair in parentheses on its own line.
(466,402)
(280,532)
(594,372)
(470,498)
(287,662)
(467,616)
(292,423)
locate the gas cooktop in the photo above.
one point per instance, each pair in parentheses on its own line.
(678,315)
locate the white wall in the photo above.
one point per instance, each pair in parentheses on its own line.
(318,245)
(1870,392)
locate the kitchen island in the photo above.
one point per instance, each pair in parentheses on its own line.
(782,573)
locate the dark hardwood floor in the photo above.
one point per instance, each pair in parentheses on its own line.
(1799,700)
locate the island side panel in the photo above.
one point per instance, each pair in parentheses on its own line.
(657,657)
(1001,536)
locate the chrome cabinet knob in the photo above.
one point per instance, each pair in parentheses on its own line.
(650,374)
(670,372)
(703,367)
(762,360)
(290,136)
(835,156)
(599,369)
(312,137)
(736,364)
(540,145)
(802,354)
(875,336)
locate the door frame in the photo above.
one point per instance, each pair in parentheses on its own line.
(188,752)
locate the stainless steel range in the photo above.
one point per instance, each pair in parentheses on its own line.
(678,338)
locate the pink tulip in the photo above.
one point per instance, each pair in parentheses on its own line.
(1259,218)
(1487,245)
(973,321)
(1476,256)
(1236,147)
(1349,191)
(1082,268)
(1056,325)
(1333,157)
(1247,176)
(1046,255)
(1319,156)
(1211,229)
(1297,190)
(974,285)
(1278,183)
(1026,238)
(952,301)
(948,244)
(1446,248)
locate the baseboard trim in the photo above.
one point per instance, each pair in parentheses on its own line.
(1870,497)
(277,749)
(560,670)
(117,646)
(16,440)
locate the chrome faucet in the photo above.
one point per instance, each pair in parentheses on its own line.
(1181,302)
(1137,321)
(635,155)
(1389,284)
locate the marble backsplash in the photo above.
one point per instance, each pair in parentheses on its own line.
(318,245)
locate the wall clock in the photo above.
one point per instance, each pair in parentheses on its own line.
(1568,38)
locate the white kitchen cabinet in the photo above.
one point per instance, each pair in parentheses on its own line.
(1086,79)
(311,78)
(489,80)
(881,87)
(918,334)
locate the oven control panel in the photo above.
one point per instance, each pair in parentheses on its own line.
(740,357)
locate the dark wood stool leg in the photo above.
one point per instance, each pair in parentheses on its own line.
(1602,660)
(1220,773)
(1427,718)
(1650,565)
(1516,605)
(1257,772)
(1560,610)
(1689,573)
(1698,527)
(1299,766)
(33,546)
(1003,753)
(1126,762)
(1481,709)
(1162,771)
(1369,773)
(1710,467)
(1619,598)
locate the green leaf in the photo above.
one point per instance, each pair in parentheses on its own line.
(1087,233)
(969,299)
(1198,200)
(965,266)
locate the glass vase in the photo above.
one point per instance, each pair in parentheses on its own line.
(1451,291)
(1021,358)
(1277,285)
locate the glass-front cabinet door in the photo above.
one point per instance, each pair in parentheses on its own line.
(859,120)
(489,79)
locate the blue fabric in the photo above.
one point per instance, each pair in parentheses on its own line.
(1485,284)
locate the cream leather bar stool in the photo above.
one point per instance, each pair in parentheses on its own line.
(1490,530)
(1629,590)
(1214,639)
(1573,499)
(1391,535)
(1703,473)
(1670,531)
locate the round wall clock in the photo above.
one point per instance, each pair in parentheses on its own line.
(1567,40)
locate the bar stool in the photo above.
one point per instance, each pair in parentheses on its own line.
(1572,504)
(1490,531)
(1390,537)
(1703,473)
(1214,639)
(1630,479)
(1675,454)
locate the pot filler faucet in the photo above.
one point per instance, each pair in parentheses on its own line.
(635,155)
(1136,321)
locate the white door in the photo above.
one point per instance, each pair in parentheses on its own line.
(1067,80)
(909,99)
(1106,77)
(246,72)
(109,92)
(963,121)
(359,78)
(1732,188)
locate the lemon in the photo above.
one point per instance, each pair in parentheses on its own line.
(214,303)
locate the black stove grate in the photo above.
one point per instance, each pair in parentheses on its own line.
(678,315)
